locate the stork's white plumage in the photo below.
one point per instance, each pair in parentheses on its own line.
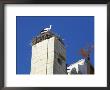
(48,29)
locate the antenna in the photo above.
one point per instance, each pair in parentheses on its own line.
(85,53)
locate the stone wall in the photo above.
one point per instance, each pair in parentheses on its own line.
(48,57)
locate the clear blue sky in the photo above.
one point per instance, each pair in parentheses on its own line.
(77,32)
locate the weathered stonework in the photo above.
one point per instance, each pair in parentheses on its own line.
(48,55)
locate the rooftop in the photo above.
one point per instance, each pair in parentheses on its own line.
(46,33)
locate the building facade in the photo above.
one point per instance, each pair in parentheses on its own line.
(82,66)
(48,54)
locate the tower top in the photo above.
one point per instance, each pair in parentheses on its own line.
(46,33)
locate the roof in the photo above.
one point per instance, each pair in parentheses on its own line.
(44,34)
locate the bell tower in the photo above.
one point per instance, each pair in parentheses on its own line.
(48,54)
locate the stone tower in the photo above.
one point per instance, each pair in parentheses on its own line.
(48,54)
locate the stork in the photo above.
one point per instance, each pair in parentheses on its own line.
(48,29)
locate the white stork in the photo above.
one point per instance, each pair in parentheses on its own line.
(48,29)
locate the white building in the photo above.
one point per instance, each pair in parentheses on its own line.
(80,67)
(48,54)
